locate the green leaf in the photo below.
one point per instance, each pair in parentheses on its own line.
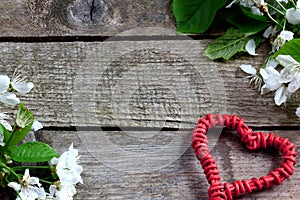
(236,17)
(195,16)
(24,118)
(5,132)
(247,25)
(232,42)
(291,48)
(33,152)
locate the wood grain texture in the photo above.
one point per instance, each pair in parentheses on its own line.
(30,18)
(165,83)
(182,178)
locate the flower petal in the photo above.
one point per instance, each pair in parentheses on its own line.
(229,5)
(286,60)
(22,87)
(269,31)
(265,89)
(36,125)
(293,15)
(4,83)
(263,73)
(298,112)
(272,63)
(34,181)
(9,99)
(35,192)
(287,75)
(280,95)
(53,161)
(255,10)
(287,35)
(15,186)
(248,69)
(250,47)
(294,85)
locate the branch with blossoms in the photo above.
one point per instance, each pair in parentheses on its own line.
(59,174)
(252,22)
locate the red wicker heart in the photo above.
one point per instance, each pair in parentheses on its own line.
(253,141)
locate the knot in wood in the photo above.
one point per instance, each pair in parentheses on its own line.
(92,13)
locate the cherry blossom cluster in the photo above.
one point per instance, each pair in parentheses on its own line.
(64,169)
(281,72)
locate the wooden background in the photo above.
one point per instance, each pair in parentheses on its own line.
(113,78)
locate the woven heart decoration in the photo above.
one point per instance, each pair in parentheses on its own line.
(253,141)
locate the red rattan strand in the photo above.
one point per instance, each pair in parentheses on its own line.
(253,141)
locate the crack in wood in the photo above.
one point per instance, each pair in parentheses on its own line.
(92,10)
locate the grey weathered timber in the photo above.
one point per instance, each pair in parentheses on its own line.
(182,178)
(30,18)
(164,83)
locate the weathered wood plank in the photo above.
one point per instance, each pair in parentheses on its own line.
(30,18)
(182,178)
(166,83)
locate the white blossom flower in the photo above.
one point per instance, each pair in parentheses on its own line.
(281,39)
(298,111)
(36,125)
(29,188)
(293,14)
(67,167)
(250,47)
(6,97)
(62,192)
(3,118)
(272,82)
(19,84)
(290,73)
(253,75)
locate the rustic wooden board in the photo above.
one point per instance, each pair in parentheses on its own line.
(182,178)
(30,18)
(165,83)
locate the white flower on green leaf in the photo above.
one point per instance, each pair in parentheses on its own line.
(67,167)
(290,73)
(281,39)
(293,14)
(29,188)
